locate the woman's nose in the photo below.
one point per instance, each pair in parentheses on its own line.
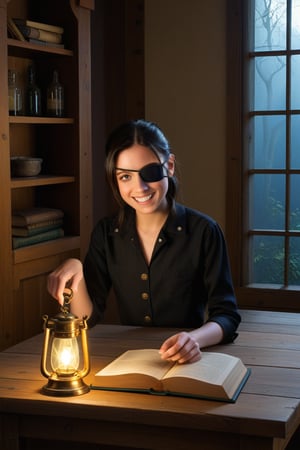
(140,183)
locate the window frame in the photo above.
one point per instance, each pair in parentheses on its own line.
(279,299)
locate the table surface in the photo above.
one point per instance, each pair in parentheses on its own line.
(267,410)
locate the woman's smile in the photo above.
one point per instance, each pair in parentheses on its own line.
(143,199)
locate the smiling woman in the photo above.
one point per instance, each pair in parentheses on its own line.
(144,185)
(166,263)
(149,137)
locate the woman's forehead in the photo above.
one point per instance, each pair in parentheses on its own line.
(136,157)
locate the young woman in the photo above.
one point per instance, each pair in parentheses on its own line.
(166,263)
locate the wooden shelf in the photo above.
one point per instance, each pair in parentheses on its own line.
(41,120)
(64,144)
(16,47)
(46,249)
(42,180)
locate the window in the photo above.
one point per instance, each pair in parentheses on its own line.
(263,212)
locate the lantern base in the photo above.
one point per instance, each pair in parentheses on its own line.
(65,388)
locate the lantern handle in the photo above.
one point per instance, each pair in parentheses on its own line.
(68,295)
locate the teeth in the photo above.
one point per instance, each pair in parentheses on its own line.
(143,199)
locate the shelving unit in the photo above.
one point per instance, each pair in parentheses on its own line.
(65,146)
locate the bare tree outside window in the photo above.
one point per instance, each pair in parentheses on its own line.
(274,144)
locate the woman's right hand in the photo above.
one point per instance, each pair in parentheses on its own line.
(68,274)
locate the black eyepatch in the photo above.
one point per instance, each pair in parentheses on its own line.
(149,173)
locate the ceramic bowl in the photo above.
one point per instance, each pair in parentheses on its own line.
(22,166)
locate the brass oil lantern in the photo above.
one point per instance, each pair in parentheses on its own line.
(65,358)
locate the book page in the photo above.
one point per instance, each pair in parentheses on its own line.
(216,375)
(146,361)
(211,368)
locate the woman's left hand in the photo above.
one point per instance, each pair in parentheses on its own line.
(181,348)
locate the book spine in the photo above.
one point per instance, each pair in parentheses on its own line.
(14,30)
(32,231)
(47,44)
(44,223)
(20,220)
(39,25)
(42,35)
(18,242)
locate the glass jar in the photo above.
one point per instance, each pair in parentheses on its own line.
(33,94)
(55,97)
(15,100)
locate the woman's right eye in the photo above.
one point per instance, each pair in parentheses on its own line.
(124,177)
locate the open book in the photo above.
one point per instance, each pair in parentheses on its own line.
(216,376)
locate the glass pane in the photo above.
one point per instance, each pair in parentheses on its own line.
(267,260)
(295,80)
(267,202)
(295,203)
(269,142)
(294,261)
(270,83)
(295,142)
(270,25)
(295,24)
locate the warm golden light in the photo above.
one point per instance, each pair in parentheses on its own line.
(65,355)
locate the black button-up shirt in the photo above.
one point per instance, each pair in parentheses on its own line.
(188,275)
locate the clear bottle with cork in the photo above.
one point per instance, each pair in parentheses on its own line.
(15,98)
(55,97)
(33,94)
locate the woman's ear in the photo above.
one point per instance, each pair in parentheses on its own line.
(171,165)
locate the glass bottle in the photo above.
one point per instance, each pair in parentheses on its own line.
(55,97)
(33,94)
(15,100)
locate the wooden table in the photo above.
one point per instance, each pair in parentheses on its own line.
(265,416)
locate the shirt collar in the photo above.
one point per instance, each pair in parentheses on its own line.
(176,222)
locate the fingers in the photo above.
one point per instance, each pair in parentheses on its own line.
(68,274)
(56,286)
(181,348)
(192,356)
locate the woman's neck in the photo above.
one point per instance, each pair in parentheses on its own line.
(151,223)
(148,228)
